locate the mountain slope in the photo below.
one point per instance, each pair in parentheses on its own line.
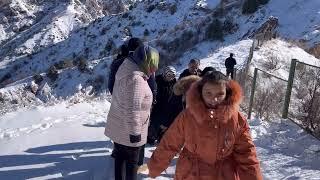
(178,29)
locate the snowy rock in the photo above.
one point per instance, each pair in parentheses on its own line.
(44,93)
(34,87)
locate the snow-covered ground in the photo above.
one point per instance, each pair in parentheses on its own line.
(67,141)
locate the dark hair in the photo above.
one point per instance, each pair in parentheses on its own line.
(231,54)
(134,43)
(213,77)
(207,69)
(124,50)
(194,60)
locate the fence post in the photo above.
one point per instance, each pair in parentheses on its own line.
(289,89)
(253,88)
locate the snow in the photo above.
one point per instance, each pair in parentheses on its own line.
(208,3)
(2,33)
(283,52)
(67,141)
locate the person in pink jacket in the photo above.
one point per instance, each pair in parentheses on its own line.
(128,118)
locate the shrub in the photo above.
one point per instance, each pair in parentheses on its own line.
(229,26)
(37,78)
(131,18)
(109,46)
(98,82)
(136,23)
(52,73)
(5,77)
(104,30)
(146,32)
(125,15)
(263,2)
(115,36)
(186,36)
(173,9)
(83,64)
(250,6)
(151,8)
(272,63)
(315,50)
(214,30)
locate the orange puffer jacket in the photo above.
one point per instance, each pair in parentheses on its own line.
(213,144)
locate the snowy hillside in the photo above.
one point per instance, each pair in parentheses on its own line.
(177,28)
(67,141)
(55,58)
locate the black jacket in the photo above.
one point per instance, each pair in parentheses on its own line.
(116,63)
(168,105)
(153,86)
(230,63)
(187,73)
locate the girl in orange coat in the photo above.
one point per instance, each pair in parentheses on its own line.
(211,136)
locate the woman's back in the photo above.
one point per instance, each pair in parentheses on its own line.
(130,88)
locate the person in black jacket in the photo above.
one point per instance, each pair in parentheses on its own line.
(193,69)
(132,44)
(124,52)
(168,105)
(230,63)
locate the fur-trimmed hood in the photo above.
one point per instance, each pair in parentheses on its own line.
(183,84)
(228,108)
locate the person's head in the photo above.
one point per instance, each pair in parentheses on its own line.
(169,73)
(123,51)
(207,69)
(147,58)
(133,44)
(213,88)
(231,54)
(193,66)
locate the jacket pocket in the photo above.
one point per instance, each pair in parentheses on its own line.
(147,120)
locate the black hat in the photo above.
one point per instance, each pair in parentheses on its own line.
(133,43)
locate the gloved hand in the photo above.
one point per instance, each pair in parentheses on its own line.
(135,138)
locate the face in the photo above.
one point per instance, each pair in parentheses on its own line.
(213,94)
(193,68)
(169,76)
(152,71)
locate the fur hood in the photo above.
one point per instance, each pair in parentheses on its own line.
(228,108)
(183,84)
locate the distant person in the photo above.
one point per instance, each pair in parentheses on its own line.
(128,118)
(230,63)
(193,69)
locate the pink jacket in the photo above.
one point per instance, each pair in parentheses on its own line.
(130,106)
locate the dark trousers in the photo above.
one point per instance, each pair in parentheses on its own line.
(230,72)
(126,161)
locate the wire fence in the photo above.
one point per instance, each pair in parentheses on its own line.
(304,106)
(297,98)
